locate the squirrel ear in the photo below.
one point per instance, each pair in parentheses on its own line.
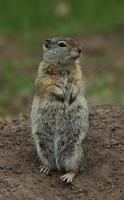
(47,43)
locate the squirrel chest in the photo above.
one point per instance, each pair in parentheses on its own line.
(62,86)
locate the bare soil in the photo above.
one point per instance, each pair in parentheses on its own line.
(102,179)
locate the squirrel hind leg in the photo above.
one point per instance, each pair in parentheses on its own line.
(68,177)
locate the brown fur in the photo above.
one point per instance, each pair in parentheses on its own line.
(48,83)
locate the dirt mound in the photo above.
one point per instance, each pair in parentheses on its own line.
(103,178)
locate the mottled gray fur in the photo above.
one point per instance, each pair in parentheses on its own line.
(60,123)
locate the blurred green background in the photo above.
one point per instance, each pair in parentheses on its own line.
(24,24)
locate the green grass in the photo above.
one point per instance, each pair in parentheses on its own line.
(17,80)
(85,15)
(105,86)
(16,85)
(26,23)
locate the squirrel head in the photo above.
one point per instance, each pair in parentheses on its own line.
(61,50)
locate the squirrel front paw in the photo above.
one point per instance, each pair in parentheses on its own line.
(74,93)
(58,93)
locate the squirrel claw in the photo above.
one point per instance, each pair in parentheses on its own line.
(68,177)
(44,169)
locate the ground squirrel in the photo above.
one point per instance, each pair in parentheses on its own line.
(59,114)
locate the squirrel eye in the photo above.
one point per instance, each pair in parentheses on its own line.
(62,44)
